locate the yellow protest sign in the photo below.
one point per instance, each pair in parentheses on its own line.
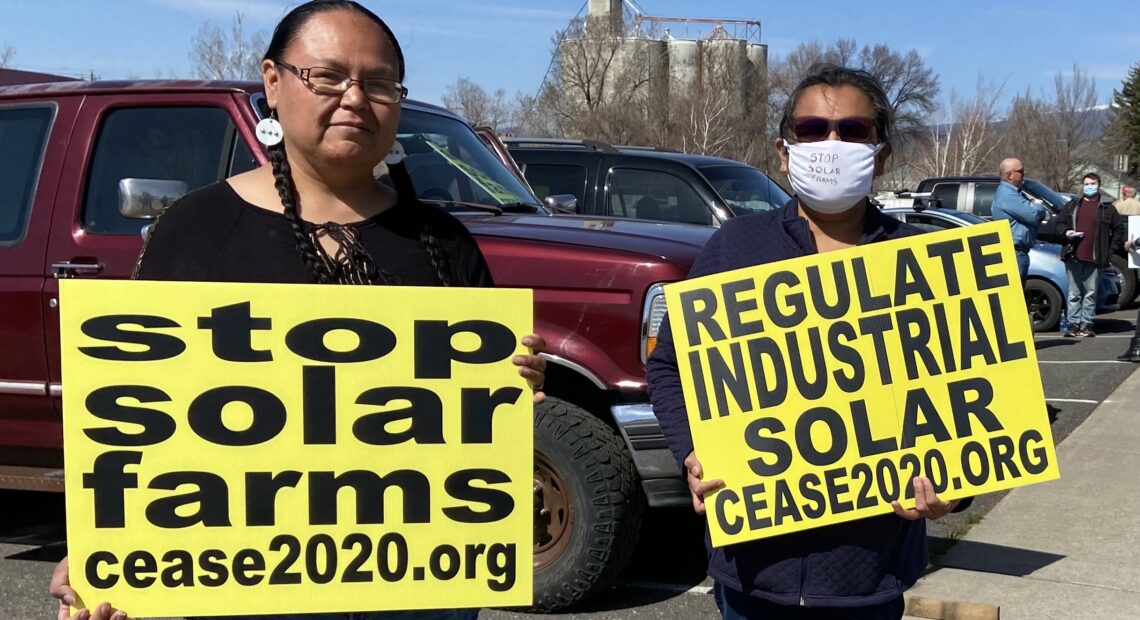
(818,388)
(270,449)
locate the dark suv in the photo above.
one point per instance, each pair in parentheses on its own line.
(642,183)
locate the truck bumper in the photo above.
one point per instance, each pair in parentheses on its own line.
(660,476)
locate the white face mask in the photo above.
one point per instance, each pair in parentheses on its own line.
(831,176)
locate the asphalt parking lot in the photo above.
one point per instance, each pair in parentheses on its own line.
(666,578)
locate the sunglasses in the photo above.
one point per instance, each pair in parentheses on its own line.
(818,129)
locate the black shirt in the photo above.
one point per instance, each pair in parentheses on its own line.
(214,235)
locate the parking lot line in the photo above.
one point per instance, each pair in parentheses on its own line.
(1082,362)
(1072,400)
(1059,336)
(671,587)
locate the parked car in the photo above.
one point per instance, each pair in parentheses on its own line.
(975,194)
(600,456)
(642,183)
(1047,285)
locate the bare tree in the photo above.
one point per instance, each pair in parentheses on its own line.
(964,137)
(1075,100)
(472,102)
(604,86)
(221,55)
(6,55)
(1053,136)
(533,115)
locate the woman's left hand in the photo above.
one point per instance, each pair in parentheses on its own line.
(532,367)
(926,503)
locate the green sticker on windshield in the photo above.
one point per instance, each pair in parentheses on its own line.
(489,185)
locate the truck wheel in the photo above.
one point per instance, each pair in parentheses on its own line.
(1044,303)
(588,502)
(1128,286)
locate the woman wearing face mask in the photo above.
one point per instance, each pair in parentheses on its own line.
(834,138)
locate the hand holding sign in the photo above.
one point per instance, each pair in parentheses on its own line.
(926,502)
(532,367)
(698,487)
(61,590)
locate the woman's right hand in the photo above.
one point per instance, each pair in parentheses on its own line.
(61,590)
(698,487)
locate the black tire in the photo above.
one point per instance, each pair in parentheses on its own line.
(605,505)
(1044,303)
(1128,286)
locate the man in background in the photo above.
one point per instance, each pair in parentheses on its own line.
(1024,215)
(1093,230)
(1128,204)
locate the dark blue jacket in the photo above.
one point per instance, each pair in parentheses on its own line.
(851,564)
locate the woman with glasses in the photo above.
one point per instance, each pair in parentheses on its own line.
(333,78)
(835,136)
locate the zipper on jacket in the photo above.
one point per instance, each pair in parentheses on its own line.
(803,577)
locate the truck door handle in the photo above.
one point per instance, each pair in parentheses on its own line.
(69,269)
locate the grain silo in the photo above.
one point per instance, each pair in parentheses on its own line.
(684,65)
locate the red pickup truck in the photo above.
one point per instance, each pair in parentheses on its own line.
(79,158)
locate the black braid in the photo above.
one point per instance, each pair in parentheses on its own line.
(437,255)
(402,181)
(283,180)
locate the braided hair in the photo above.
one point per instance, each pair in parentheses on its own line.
(283,180)
(352,265)
(436,254)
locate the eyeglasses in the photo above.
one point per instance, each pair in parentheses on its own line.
(1020,171)
(817,129)
(325,81)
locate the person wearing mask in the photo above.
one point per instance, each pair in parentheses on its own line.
(1128,204)
(857,569)
(333,76)
(1024,215)
(1092,230)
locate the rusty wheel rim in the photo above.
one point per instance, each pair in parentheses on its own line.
(554,512)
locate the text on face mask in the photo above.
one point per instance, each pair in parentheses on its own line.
(824,168)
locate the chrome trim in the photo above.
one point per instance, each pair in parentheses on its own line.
(24,388)
(68,269)
(653,292)
(578,368)
(636,412)
(55,389)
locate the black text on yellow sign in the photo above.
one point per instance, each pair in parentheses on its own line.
(242,448)
(818,388)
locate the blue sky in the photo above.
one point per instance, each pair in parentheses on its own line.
(506,43)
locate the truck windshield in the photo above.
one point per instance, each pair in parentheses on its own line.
(745,189)
(1053,200)
(449,165)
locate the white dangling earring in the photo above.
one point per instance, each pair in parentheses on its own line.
(395,154)
(269,131)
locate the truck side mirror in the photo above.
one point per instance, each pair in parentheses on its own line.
(561,203)
(145,199)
